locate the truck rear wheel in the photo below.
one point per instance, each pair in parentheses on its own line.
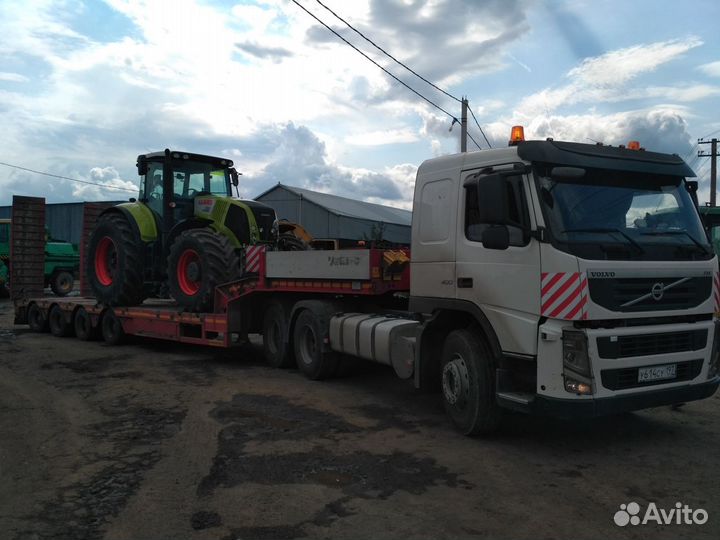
(115,262)
(62,282)
(309,336)
(468,383)
(84,329)
(199,261)
(60,326)
(36,319)
(275,331)
(111,328)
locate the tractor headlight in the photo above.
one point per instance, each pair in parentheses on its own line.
(576,362)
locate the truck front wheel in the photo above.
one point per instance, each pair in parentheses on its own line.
(468,383)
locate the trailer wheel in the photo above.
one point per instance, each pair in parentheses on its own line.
(59,325)
(112,329)
(62,283)
(275,331)
(36,319)
(84,328)
(468,383)
(311,329)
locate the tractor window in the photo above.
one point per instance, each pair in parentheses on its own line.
(154,186)
(4,232)
(191,178)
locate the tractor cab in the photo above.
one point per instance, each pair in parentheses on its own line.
(172,180)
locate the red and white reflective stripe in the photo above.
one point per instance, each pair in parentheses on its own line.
(252,258)
(716,291)
(563,295)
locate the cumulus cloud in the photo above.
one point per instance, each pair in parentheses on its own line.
(276,54)
(300,159)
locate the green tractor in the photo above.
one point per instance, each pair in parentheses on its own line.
(184,236)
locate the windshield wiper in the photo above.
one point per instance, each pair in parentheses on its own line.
(675,233)
(608,230)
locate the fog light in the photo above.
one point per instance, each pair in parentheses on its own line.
(577,387)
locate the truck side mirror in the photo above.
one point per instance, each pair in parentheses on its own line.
(492,199)
(692,187)
(496,237)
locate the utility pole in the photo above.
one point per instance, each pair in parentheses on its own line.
(713,166)
(463,125)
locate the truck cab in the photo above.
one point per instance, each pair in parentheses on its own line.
(580,275)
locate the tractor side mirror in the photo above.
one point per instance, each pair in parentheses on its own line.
(234,176)
(142,166)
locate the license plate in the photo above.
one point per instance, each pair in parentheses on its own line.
(656,373)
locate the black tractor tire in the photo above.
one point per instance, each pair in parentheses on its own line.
(468,383)
(312,355)
(84,329)
(276,348)
(112,328)
(115,262)
(36,319)
(199,261)
(59,324)
(62,282)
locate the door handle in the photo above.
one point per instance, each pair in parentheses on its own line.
(465,283)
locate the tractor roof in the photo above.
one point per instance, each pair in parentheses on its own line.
(224,162)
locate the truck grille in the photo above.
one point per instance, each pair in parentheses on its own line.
(623,294)
(649,344)
(620,379)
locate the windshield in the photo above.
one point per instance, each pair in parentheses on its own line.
(622,215)
(190,178)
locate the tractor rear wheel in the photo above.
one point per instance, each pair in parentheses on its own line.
(115,262)
(199,261)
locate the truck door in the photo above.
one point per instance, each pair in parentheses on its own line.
(503,283)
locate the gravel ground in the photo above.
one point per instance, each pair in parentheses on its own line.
(156,440)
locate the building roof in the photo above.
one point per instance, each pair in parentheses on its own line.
(342,206)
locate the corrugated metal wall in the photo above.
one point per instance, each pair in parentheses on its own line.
(322,223)
(63,219)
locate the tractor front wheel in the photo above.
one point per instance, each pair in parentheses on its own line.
(115,262)
(199,261)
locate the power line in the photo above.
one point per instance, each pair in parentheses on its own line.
(386,53)
(66,177)
(478,125)
(374,62)
(358,32)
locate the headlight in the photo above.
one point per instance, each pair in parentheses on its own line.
(577,370)
(575,353)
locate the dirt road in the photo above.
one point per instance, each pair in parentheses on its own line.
(155,440)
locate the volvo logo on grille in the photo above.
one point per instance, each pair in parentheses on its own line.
(657,291)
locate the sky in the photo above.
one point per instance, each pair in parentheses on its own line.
(87,86)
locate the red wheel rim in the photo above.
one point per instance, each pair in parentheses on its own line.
(188,286)
(105,260)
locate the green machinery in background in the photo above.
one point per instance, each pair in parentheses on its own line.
(62,262)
